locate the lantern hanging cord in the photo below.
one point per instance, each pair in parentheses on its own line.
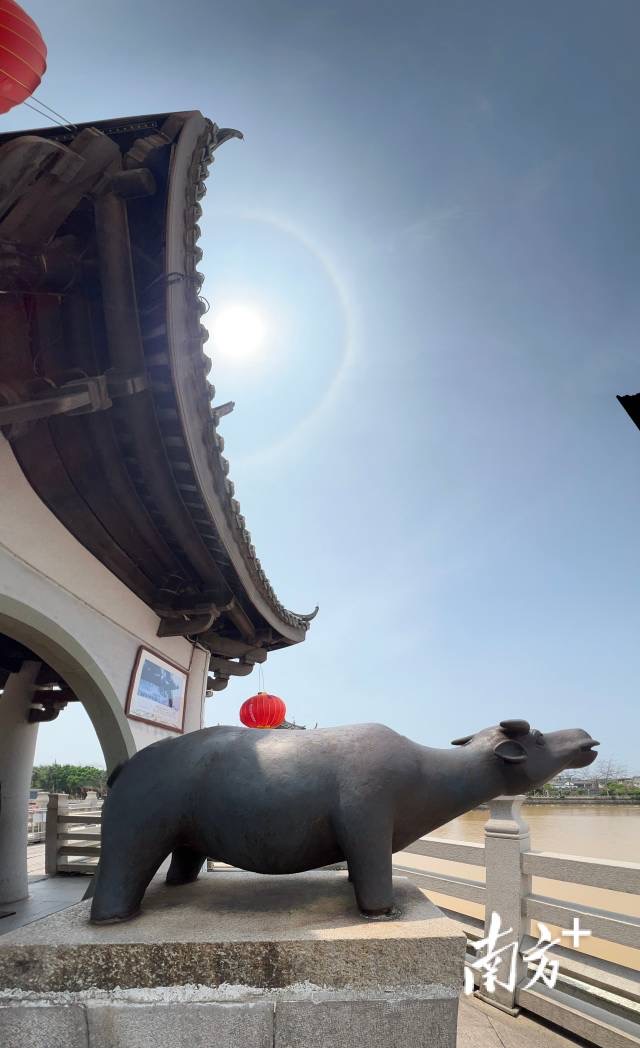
(260,678)
(65,122)
(45,116)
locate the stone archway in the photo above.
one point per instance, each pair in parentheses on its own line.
(55,646)
(51,644)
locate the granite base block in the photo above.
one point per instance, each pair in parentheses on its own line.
(43,1026)
(374,1022)
(233,1025)
(241,929)
(309,1020)
(236,961)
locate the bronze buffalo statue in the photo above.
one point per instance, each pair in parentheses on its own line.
(283,802)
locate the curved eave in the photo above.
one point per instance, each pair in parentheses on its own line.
(143,484)
(189,365)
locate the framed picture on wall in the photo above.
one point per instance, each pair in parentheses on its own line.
(157,692)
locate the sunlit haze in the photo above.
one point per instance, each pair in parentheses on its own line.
(423,267)
(239,331)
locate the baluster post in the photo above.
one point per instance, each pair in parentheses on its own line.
(58,805)
(506,838)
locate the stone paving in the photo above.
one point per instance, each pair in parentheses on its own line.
(481,1026)
(46,896)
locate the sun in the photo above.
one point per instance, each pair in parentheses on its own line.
(239,331)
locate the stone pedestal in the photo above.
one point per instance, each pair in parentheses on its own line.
(237,960)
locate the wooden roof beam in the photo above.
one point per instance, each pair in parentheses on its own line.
(187,625)
(44,204)
(241,620)
(52,269)
(234,649)
(228,668)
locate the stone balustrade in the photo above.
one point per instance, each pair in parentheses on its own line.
(594,999)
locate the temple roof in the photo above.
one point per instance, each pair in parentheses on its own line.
(104,390)
(631,404)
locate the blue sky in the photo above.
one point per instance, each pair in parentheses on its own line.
(436,209)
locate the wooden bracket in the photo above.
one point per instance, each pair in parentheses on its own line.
(188,625)
(217,684)
(230,669)
(47,703)
(24,403)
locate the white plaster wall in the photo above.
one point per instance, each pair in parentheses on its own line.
(42,565)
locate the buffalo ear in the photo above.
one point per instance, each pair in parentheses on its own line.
(515,727)
(462,741)
(510,751)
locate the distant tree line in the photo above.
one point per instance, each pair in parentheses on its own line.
(606,778)
(68,778)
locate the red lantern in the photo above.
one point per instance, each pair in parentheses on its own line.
(23,55)
(263,711)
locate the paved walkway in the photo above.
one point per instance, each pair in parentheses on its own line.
(481,1026)
(46,895)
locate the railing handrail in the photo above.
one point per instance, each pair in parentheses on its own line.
(463,887)
(619,876)
(443,848)
(80,820)
(621,928)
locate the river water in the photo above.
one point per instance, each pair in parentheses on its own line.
(596,831)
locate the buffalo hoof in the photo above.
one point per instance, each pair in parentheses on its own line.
(117,919)
(391,914)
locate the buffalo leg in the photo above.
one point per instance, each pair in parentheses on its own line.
(370,871)
(186,864)
(121,881)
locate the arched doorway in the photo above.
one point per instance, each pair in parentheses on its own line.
(41,642)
